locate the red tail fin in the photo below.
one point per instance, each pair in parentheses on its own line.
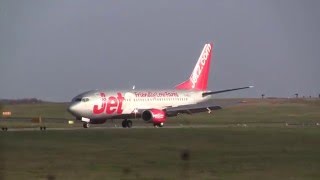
(200,74)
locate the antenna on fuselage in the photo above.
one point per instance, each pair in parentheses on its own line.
(133,87)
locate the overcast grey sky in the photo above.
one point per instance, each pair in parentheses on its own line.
(54,50)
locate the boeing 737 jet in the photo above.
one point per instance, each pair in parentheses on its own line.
(97,106)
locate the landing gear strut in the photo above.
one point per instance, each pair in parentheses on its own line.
(126,123)
(86,125)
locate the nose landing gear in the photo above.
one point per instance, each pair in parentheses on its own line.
(86,125)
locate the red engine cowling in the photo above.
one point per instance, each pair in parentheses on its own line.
(157,116)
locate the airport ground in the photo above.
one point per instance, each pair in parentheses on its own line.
(257,139)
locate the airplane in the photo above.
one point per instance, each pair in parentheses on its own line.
(154,106)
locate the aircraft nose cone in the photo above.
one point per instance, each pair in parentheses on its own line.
(73,109)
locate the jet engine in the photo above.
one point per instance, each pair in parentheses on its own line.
(156,116)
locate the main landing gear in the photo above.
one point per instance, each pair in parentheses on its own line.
(126,123)
(156,125)
(86,125)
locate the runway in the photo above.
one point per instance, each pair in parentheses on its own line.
(119,128)
(181,126)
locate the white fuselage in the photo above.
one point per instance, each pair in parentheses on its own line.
(111,104)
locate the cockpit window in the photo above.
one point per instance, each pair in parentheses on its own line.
(77,99)
(85,99)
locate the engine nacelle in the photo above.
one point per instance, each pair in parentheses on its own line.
(157,116)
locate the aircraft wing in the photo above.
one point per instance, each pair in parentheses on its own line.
(208,106)
(190,109)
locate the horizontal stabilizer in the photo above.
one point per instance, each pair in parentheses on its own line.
(223,91)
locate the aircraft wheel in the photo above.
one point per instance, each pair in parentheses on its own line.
(42,128)
(86,125)
(156,125)
(124,123)
(129,123)
(161,124)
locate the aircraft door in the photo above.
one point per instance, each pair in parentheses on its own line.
(128,104)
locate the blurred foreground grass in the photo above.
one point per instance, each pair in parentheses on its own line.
(186,153)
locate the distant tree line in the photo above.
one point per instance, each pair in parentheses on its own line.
(21,101)
(296,95)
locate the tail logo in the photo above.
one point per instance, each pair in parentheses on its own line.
(199,66)
(198,80)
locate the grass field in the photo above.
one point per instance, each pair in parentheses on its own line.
(255,151)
